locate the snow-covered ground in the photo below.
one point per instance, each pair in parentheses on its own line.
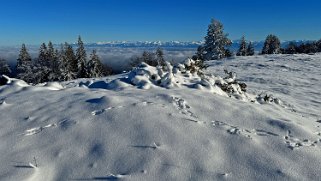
(173,125)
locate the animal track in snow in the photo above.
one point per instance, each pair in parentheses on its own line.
(64,124)
(143,103)
(182,106)
(295,143)
(241,131)
(37,130)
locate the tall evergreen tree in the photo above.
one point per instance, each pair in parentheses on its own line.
(53,58)
(71,62)
(95,67)
(4,68)
(24,65)
(272,45)
(43,55)
(216,41)
(42,65)
(243,49)
(250,49)
(63,63)
(81,59)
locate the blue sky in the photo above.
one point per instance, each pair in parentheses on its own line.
(36,21)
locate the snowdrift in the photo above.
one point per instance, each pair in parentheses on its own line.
(157,124)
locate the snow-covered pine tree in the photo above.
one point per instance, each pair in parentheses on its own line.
(24,65)
(215,41)
(149,58)
(43,55)
(42,65)
(250,49)
(272,45)
(81,59)
(95,67)
(71,62)
(52,56)
(242,49)
(63,64)
(4,67)
(160,57)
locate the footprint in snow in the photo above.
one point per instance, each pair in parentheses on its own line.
(64,124)
(295,143)
(37,130)
(236,130)
(182,106)
(143,103)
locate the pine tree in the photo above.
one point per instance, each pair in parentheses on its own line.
(52,56)
(250,49)
(81,59)
(272,45)
(4,68)
(243,49)
(149,58)
(63,63)
(24,65)
(51,51)
(160,57)
(42,65)
(43,55)
(95,67)
(70,62)
(215,41)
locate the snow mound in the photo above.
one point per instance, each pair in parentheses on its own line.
(186,126)
(51,86)
(181,76)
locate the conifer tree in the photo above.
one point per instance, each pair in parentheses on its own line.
(149,58)
(250,49)
(42,66)
(81,59)
(95,67)
(272,45)
(43,55)
(71,62)
(160,57)
(63,63)
(24,65)
(52,56)
(215,41)
(243,49)
(4,68)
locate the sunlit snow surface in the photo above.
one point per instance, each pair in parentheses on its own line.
(128,127)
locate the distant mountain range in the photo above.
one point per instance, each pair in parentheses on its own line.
(178,44)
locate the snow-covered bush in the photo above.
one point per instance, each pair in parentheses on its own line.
(189,75)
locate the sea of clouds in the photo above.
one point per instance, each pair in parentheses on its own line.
(116,57)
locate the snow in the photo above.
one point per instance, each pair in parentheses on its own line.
(168,124)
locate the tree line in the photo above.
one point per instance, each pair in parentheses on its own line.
(216,45)
(57,64)
(66,64)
